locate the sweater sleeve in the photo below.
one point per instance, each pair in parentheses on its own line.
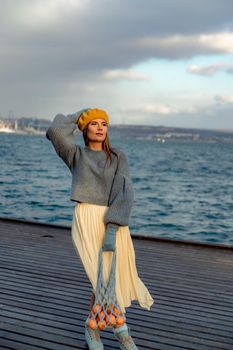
(60,133)
(121,197)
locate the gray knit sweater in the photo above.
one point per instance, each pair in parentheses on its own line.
(91,179)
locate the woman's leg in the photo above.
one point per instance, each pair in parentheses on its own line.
(92,336)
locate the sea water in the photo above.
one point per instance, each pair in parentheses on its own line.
(183,189)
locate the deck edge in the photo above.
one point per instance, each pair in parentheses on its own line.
(134,236)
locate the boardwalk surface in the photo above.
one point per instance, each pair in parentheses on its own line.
(44,293)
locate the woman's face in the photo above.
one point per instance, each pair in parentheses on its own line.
(97,130)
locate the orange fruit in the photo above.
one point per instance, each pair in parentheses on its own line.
(120,320)
(101,325)
(101,315)
(96,308)
(111,320)
(109,308)
(92,324)
(116,311)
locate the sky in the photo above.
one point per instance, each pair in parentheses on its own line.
(146,62)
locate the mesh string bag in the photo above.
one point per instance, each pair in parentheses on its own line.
(106,312)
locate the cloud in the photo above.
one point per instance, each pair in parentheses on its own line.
(127,74)
(209,70)
(209,115)
(224,99)
(57,54)
(159,109)
(41,14)
(212,106)
(185,46)
(218,42)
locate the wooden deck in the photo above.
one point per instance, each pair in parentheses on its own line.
(44,293)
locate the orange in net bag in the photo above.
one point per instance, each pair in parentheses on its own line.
(106,312)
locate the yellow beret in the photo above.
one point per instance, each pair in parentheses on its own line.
(91,114)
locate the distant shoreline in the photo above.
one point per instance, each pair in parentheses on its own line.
(160,133)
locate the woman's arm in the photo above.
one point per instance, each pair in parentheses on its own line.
(60,133)
(120,203)
(122,195)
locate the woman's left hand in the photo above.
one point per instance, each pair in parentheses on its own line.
(109,242)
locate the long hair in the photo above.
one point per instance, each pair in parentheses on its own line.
(105,145)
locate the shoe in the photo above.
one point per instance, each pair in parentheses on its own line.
(123,335)
(92,338)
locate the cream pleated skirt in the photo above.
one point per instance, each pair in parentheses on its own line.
(88,231)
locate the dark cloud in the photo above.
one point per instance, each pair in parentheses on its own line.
(44,51)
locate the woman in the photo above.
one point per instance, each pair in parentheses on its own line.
(102,210)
